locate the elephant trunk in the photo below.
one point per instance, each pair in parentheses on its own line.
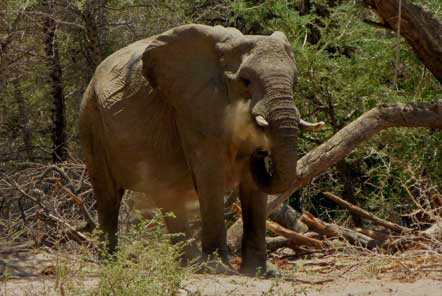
(283,117)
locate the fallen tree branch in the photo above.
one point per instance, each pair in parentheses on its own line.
(343,142)
(377,235)
(360,130)
(294,237)
(364,214)
(331,230)
(275,243)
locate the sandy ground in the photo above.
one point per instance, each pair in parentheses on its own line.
(221,285)
(33,274)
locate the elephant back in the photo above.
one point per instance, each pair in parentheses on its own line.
(119,77)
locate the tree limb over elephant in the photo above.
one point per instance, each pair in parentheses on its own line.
(341,144)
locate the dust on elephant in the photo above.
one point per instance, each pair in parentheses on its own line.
(193,113)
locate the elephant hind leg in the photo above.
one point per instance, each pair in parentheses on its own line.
(107,193)
(108,206)
(108,197)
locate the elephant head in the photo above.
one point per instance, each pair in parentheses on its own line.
(199,68)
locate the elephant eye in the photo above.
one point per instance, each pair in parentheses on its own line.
(245,81)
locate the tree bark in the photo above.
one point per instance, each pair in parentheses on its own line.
(370,123)
(23,121)
(5,43)
(94,19)
(347,175)
(342,143)
(420,28)
(59,152)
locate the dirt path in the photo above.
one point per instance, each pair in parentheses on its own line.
(214,285)
(222,285)
(33,274)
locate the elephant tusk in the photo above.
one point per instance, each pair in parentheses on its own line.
(261,121)
(305,125)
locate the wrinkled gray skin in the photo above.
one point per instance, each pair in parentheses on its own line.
(174,116)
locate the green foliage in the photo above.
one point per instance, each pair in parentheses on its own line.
(351,68)
(146,263)
(345,67)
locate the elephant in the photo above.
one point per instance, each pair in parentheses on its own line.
(191,114)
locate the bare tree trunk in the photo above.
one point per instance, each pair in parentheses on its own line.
(344,170)
(342,143)
(347,175)
(5,43)
(94,18)
(421,30)
(59,152)
(23,120)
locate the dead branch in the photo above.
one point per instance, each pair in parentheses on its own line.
(364,214)
(39,194)
(76,234)
(367,125)
(295,238)
(377,235)
(332,230)
(60,171)
(35,200)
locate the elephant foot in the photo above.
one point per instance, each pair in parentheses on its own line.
(202,263)
(271,270)
(266,270)
(191,255)
(216,267)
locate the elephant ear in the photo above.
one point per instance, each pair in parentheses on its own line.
(183,65)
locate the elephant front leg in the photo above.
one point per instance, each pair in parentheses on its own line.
(206,158)
(210,187)
(253,247)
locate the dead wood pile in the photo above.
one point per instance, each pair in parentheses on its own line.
(379,234)
(45,205)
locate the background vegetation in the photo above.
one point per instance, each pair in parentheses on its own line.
(50,48)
